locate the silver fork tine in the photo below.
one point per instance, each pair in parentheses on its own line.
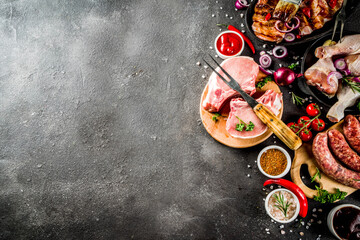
(226,73)
(334,30)
(341,29)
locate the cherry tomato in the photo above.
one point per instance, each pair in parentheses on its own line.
(318,125)
(312,109)
(304,120)
(305,135)
(306,11)
(332,3)
(293,126)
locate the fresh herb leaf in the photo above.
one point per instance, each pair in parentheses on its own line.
(241,125)
(293,65)
(280,203)
(317,174)
(324,196)
(358,180)
(264,81)
(250,126)
(296,99)
(358,106)
(216,115)
(355,86)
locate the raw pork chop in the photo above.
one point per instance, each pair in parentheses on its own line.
(240,108)
(243,69)
(317,75)
(346,98)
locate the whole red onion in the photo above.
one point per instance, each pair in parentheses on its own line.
(284,76)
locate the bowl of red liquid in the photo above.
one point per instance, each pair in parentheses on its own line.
(229,44)
(344,222)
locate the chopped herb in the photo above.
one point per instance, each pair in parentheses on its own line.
(358,180)
(293,65)
(358,106)
(324,196)
(216,115)
(296,99)
(280,203)
(355,86)
(241,125)
(264,81)
(317,174)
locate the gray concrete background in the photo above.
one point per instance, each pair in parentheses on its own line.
(99,126)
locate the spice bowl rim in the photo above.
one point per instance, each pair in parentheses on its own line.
(331,214)
(288,158)
(225,56)
(296,200)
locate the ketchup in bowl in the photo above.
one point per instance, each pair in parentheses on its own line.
(229,44)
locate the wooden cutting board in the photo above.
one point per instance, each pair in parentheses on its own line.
(304,155)
(217,129)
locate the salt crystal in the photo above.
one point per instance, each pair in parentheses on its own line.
(236,9)
(271,187)
(264,46)
(248,175)
(307,227)
(243,31)
(319,222)
(242,25)
(311,220)
(301,233)
(314,215)
(282,232)
(220,29)
(198,63)
(231,17)
(281,226)
(266,229)
(291,230)
(226,15)
(213,15)
(216,56)
(319,210)
(206,67)
(241,15)
(211,47)
(248,166)
(268,232)
(280,65)
(203,76)
(220,7)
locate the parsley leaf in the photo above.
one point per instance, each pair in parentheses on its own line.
(324,196)
(241,125)
(216,115)
(317,174)
(293,65)
(264,81)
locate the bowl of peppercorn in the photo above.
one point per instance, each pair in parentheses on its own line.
(274,161)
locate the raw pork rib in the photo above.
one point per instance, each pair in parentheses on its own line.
(240,108)
(346,98)
(317,75)
(348,45)
(243,69)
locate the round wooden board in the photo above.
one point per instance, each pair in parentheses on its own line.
(217,129)
(304,155)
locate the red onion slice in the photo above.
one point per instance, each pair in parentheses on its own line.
(340,64)
(333,74)
(289,37)
(265,60)
(283,52)
(278,28)
(240,4)
(266,71)
(294,26)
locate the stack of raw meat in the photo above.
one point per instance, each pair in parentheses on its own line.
(245,71)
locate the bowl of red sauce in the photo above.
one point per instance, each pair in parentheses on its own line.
(229,44)
(344,222)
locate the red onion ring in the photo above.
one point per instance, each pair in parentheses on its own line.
(281,55)
(289,37)
(240,4)
(333,74)
(278,28)
(265,60)
(266,71)
(297,25)
(340,64)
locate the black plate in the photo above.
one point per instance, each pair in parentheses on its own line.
(309,60)
(326,29)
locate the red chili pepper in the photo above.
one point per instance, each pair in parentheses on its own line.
(298,36)
(267,17)
(247,40)
(306,11)
(295,189)
(332,3)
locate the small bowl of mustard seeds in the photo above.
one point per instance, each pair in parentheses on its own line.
(274,161)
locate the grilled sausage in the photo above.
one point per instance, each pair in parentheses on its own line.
(330,166)
(351,129)
(342,150)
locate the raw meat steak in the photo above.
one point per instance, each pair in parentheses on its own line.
(243,69)
(240,108)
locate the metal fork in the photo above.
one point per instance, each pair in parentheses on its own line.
(341,17)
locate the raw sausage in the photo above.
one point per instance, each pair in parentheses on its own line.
(330,166)
(342,150)
(352,132)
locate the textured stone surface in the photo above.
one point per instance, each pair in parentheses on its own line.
(99,126)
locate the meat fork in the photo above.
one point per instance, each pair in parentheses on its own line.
(278,127)
(341,17)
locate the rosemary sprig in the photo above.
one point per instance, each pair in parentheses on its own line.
(355,86)
(280,203)
(296,99)
(317,174)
